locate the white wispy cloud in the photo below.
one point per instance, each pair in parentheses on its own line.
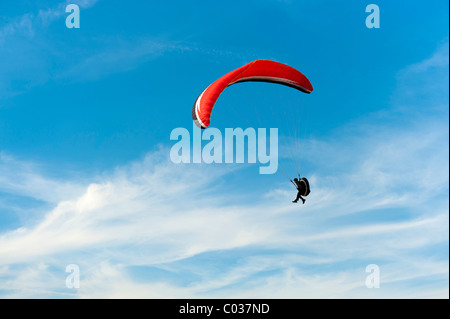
(29,58)
(25,48)
(27,179)
(118,55)
(25,24)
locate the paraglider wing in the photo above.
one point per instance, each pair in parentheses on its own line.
(259,70)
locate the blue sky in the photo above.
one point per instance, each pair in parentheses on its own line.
(85,176)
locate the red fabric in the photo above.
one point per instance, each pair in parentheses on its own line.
(259,70)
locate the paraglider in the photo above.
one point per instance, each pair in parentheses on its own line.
(255,71)
(302,186)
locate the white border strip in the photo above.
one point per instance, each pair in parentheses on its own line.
(270,78)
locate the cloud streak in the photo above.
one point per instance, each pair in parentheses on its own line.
(26,52)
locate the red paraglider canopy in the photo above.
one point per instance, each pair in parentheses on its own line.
(259,70)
